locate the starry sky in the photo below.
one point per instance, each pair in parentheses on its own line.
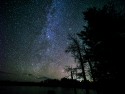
(33,36)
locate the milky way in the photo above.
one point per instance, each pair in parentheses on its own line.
(33,37)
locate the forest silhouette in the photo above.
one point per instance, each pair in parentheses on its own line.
(101,46)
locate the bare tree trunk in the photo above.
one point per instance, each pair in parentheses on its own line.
(91,69)
(83,71)
(85,80)
(80,58)
(75,92)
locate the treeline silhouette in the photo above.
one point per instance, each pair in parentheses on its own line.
(64,82)
(101,46)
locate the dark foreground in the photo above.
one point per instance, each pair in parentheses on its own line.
(39,90)
(9,87)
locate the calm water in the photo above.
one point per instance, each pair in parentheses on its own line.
(39,90)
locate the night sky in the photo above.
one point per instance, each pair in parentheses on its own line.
(33,36)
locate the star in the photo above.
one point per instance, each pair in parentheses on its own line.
(33,36)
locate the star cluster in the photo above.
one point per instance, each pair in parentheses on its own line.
(33,36)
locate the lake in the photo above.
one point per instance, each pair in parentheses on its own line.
(39,90)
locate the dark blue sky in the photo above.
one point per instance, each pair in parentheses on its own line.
(33,36)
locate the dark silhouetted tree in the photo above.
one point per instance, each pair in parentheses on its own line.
(104,42)
(101,45)
(75,48)
(72,71)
